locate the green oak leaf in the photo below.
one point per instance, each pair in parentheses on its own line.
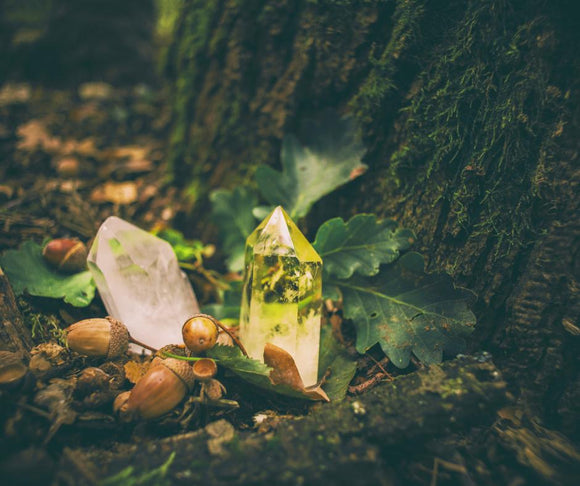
(408,311)
(232,213)
(360,245)
(27,271)
(333,357)
(327,155)
(228,311)
(250,370)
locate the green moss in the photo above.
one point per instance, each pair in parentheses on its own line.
(485,119)
(190,59)
(380,81)
(451,387)
(43,325)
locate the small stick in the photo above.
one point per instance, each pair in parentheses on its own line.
(221,403)
(227,331)
(373,380)
(143,345)
(379,365)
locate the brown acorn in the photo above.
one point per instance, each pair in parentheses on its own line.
(12,369)
(67,255)
(120,405)
(105,338)
(204,369)
(161,389)
(200,333)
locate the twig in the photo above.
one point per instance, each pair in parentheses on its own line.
(221,403)
(446,464)
(372,381)
(143,345)
(227,331)
(378,364)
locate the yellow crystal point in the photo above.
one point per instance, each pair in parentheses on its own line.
(282,294)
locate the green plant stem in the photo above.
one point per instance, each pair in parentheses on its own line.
(185,358)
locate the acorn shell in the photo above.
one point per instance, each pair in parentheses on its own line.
(162,388)
(12,369)
(67,255)
(96,337)
(200,333)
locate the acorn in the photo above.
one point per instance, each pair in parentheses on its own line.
(67,255)
(200,333)
(161,389)
(120,406)
(204,369)
(99,338)
(12,369)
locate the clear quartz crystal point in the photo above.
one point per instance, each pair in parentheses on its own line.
(282,294)
(140,282)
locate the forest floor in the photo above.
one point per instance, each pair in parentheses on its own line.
(71,158)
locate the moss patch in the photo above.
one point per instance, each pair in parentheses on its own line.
(485,118)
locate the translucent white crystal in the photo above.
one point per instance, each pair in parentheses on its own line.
(140,282)
(282,294)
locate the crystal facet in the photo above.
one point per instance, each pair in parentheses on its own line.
(140,282)
(282,294)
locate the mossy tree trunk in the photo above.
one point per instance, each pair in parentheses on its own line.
(468,112)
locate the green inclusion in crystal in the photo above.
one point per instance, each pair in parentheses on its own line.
(282,294)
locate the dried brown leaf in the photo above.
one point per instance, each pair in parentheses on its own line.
(285,372)
(115,192)
(135,370)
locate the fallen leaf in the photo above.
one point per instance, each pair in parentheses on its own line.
(68,167)
(285,372)
(96,90)
(134,370)
(13,93)
(34,135)
(27,271)
(258,373)
(115,192)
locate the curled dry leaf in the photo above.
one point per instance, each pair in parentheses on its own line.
(115,192)
(134,370)
(285,372)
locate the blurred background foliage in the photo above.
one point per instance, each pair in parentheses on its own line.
(60,42)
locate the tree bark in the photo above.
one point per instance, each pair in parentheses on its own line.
(468,114)
(14,335)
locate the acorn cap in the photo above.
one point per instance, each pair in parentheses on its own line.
(213,390)
(119,342)
(182,369)
(12,369)
(204,369)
